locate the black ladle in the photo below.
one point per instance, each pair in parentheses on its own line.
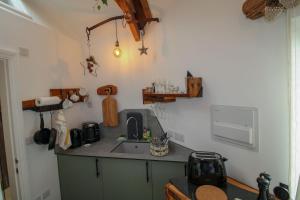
(53,135)
(43,135)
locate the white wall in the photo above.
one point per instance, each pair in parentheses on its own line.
(52,63)
(242,62)
(295,138)
(1,192)
(32,82)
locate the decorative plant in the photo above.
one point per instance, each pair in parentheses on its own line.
(99,3)
(276,7)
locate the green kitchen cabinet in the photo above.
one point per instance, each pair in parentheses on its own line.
(162,172)
(114,178)
(127,179)
(80,178)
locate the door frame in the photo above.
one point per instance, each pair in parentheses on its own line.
(16,125)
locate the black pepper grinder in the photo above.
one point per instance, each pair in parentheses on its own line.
(282,192)
(264,181)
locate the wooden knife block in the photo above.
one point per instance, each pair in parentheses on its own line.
(194,86)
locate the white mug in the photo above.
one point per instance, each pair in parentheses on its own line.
(74,97)
(83,92)
(67,103)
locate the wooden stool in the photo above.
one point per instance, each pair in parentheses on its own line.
(209,192)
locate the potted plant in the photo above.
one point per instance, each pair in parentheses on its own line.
(99,3)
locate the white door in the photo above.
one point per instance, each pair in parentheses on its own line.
(8,136)
(1,195)
(295,101)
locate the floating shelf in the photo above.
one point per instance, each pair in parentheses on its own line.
(30,105)
(61,93)
(192,92)
(66,93)
(149,98)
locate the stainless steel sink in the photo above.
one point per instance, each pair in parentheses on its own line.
(132,148)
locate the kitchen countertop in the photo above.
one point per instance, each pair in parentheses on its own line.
(108,142)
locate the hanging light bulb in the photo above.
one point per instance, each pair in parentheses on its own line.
(117,51)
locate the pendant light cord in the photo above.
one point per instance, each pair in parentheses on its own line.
(116,25)
(142,35)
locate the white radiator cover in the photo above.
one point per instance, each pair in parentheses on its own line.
(235,125)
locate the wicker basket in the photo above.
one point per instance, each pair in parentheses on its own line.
(159,150)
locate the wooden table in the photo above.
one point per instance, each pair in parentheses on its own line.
(172,193)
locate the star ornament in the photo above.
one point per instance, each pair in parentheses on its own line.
(143,50)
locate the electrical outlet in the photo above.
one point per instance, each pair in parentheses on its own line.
(46,194)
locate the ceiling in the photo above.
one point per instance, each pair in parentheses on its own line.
(72,16)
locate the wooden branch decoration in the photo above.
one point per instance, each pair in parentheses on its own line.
(137,14)
(254,9)
(144,21)
(130,17)
(146,8)
(89,29)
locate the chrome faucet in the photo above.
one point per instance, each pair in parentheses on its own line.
(136,126)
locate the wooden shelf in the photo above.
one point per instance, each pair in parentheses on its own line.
(61,93)
(66,93)
(149,98)
(30,105)
(166,95)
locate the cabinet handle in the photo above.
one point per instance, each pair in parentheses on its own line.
(147,171)
(185,169)
(97,168)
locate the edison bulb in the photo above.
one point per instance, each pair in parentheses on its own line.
(117,52)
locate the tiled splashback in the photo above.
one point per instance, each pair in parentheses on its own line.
(149,121)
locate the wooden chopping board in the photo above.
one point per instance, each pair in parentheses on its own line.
(110,112)
(209,192)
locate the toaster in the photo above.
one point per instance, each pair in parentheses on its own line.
(207,168)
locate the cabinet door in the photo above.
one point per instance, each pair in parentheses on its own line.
(126,179)
(80,178)
(162,172)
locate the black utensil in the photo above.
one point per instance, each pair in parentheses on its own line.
(264,181)
(36,136)
(52,140)
(43,135)
(163,136)
(282,192)
(189,74)
(53,135)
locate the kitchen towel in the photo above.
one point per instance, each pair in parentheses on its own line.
(46,101)
(64,139)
